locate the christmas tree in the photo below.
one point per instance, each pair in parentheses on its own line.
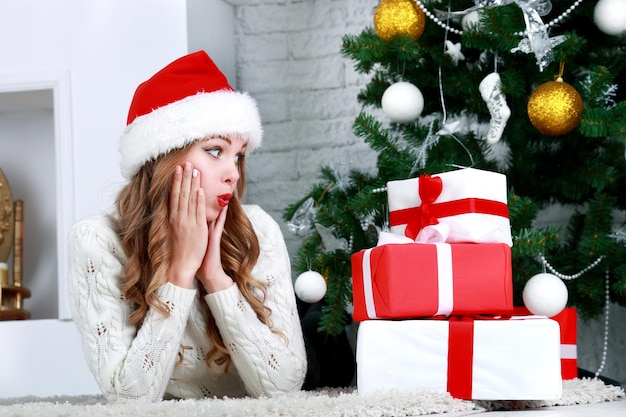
(529,89)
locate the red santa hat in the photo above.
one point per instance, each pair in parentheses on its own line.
(188,100)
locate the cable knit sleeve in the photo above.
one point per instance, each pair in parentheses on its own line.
(267,363)
(126,363)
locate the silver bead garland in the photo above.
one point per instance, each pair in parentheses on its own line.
(449,28)
(558,19)
(436,20)
(607,300)
(545,262)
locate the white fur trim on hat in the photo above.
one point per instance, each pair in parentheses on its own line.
(185,121)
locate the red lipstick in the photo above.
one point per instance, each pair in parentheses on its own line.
(224,199)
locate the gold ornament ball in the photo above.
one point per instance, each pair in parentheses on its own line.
(554,108)
(396,17)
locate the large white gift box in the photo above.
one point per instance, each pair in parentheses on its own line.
(472,359)
(463,206)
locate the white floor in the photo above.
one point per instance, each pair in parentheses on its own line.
(609,409)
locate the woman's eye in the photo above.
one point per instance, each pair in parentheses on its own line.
(239,157)
(214,152)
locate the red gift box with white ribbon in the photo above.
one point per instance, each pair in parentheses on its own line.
(465,205)
(415,280)
(472,359)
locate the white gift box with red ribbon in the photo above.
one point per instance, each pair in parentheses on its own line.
(473,359)
(462,206)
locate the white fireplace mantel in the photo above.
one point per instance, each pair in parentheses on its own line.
(40,86)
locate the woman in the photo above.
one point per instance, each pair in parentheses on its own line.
(181,291)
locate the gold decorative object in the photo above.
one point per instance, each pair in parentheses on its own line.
(555,107)
(396,17)
(12,294)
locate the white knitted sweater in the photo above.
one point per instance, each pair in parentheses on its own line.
(165,358)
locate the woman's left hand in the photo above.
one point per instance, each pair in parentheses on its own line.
(211,273)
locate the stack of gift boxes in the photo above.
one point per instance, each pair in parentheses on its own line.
(434,298)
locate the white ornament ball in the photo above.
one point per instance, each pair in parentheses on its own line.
(402,102)
(610,16)
(310,287)
(545,295)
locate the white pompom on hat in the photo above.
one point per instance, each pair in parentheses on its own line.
(188,100)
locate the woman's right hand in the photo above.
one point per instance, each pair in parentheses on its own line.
(187,218)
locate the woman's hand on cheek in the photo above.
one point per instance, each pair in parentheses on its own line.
(187,218)
(211,272)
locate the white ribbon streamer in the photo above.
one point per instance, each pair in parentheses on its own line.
(568,351)
(370,307)
(445,279)
(536,30)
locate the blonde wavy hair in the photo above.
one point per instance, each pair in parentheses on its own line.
(144,231)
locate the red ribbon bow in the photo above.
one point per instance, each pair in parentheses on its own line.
(429,212)
(429,189)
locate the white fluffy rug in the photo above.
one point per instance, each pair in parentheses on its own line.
(323,403)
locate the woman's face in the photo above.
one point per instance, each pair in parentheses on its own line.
(217,159)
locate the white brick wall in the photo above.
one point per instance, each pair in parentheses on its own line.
(288,59)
